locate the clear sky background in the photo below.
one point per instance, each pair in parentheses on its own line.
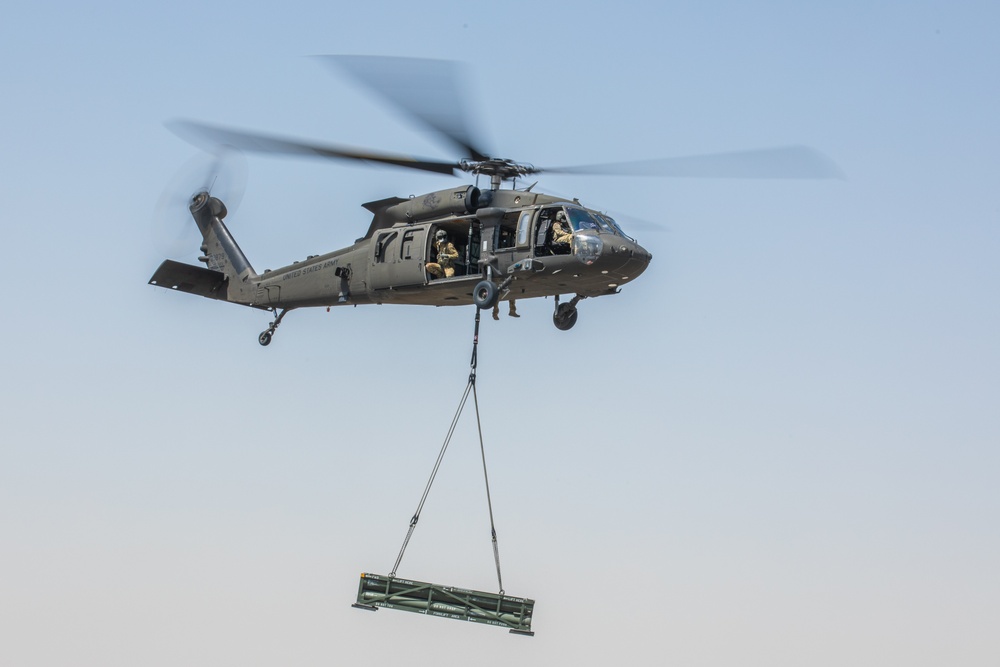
(778,447)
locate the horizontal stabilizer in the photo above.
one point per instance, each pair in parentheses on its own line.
(190,279)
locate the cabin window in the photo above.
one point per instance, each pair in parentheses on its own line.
(406,249)
(382,245)
(523,227)
(504,236)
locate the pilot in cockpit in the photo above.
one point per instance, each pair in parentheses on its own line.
(561,230)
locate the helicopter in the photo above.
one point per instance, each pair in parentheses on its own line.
(451,247)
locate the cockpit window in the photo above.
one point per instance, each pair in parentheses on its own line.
(581,219)
(584,219)
(603,221)
(608,220)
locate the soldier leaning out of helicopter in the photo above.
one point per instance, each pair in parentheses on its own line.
(445,254)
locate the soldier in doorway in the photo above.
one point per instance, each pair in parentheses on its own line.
(445,254)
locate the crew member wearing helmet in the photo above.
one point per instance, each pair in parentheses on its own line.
(561,231)
(446,255)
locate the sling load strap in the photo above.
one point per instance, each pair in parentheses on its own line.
(489,501)
(470,387)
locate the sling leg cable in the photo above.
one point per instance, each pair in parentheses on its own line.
(470,387)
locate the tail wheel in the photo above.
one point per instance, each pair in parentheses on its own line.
(485,294)
(565,317)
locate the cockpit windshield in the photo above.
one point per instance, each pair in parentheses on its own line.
(608,220)
(583,219)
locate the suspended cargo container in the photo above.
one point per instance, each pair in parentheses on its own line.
(376,591)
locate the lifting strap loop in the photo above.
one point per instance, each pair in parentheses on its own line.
(470,387)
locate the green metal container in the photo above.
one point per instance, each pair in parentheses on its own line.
(376,591)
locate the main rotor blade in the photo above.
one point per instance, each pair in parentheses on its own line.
(210,136)
(426,90)
(796,162)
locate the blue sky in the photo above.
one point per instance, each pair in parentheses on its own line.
(778,447)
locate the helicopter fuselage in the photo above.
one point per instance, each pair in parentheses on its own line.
(508,239)
(498,244)
(501,244)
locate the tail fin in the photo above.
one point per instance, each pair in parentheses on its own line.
(228,275)
(220,248)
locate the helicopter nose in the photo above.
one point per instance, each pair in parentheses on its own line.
(641,253)
(630,251)
(625,261)
(639,259)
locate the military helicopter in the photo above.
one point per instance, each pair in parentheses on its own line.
(454,246)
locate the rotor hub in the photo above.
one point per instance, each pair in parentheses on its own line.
(498,169)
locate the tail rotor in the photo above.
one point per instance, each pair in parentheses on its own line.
(222,173)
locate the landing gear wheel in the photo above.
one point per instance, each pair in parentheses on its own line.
(565,317)
(265,336)
(485,294)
